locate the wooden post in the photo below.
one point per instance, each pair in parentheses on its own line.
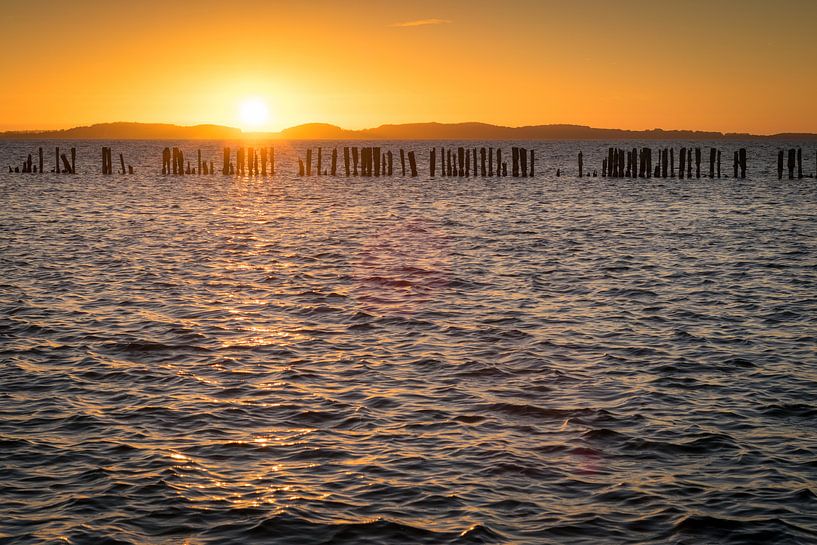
(467,163)
(346,160)
(712,155)
(581,165)
(504,169)
(40,163)
(300,167)
(697,162)
(664,163)
(66,163)
(334,161)
(791,163)
(499,162)
(442,161)
(390,157)
(799,163)
(412,164)
(523,162)
(461,161)
(432,162)
(225,164)
(73,161)
(121,162)
(490,162)
(719,163)
(403,161)
(198,157)
(355,158)
(272,160)
(780,164)
(104,160)
(309,162)
(682,163)
(742,155)
(376,160)
(672,162)
(515,161)
(320,161)
(264,161)
(449,169)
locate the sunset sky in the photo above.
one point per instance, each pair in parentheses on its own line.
(743,65)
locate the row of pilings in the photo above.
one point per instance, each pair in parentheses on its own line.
(446,162)
(635,163)
(357,161)
(67,167)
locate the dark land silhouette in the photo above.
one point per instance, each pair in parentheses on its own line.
(409,131)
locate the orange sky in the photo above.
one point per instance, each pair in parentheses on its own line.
(743,65)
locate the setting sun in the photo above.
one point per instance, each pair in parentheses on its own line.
(253,113)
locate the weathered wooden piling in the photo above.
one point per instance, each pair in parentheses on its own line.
(73,161)
(355,159)
(300,167)
(515,161)
(467,163)
(682,163)
(346,161)
(225,161)
(490,162)
(672,162)
(604,167)
(712,156)
(376,160)
(482,161)
(448,163)
(40,159)
(412,164)
(121,163)
(460,161)
(664,163)
(523,162)
(264,161)
(719,163)
(742,157)
(791,163)
(57,160)
(309,162)
(780,164)
(334,161)
(581,165)
(532,162)
(799,163)
(442,161)
(390,162)
(499,163)
(697,162)
(432,162)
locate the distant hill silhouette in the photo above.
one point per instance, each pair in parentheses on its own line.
(408,131)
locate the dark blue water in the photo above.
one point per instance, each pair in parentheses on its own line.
(209,360)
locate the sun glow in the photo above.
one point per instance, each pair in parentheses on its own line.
(253,113)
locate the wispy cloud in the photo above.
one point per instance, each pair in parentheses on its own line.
(421,22)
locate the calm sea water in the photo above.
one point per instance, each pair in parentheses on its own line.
(209,360)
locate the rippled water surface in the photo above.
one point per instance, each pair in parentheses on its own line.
(208,360)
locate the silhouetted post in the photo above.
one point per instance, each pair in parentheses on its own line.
(121,163)
(73,161)
(672,162)
(490,162)
(532,161)
(467,163)
(104,160)
(689,163)
(239,161)
(791,163)
(712,155)
(697,162)
(376,160)
(719,163)
(198,160)
(40,162)
(212,171)
(225,161)
(475,161)
(403,161)
(309,162)
(482,164)
(130,169)
(682,163)
(523,162)
(320,161)
(442,161)
(581,165)
(460,161)
(642,163)
(355,158)
(390,157)
(649,163)
(66,163)
(334,161)
(300,167)
(499,163)
(604,167)
(263,161)
(346,161)
(413,164)
(780,164)
(449,166)
(742,156)
(504,169)
(664,163)
(629,166)
(515,161)
(620,163)
(432,162)
(610,162)
(799,163)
